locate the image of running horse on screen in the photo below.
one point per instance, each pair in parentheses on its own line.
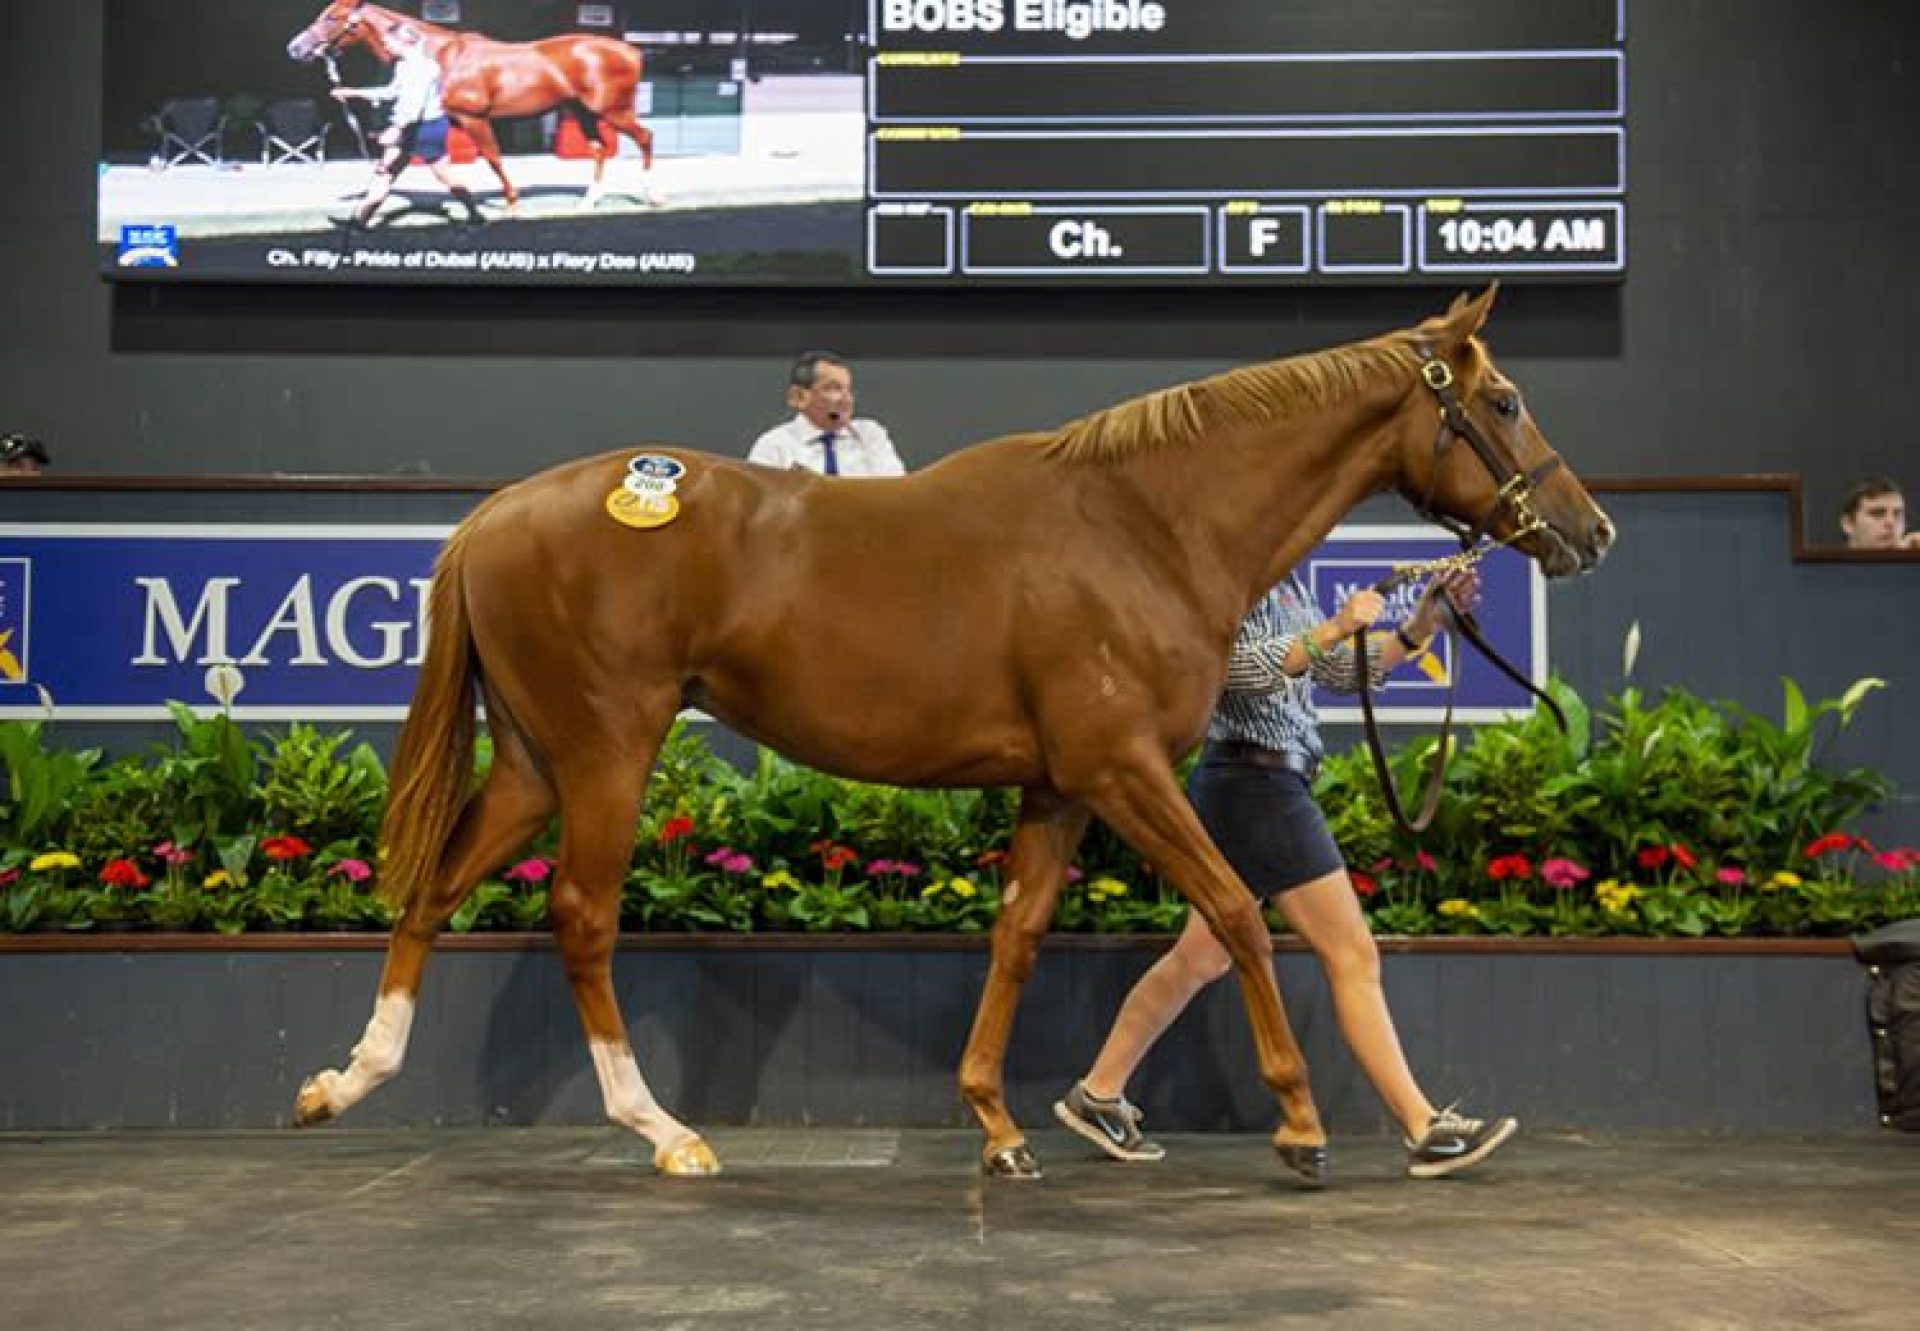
(594,77)
(342,140)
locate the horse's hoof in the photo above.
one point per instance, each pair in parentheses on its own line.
(692,1158)
(1013,1162)
(312,1104)
(1309,1162)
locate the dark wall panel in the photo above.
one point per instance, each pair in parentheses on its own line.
(782,1037)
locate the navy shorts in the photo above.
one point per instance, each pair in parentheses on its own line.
(425,139)
(1265,822)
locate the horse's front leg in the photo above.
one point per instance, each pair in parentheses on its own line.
(1143,803)
(1044,840)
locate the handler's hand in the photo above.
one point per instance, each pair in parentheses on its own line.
(1462,586)
(1361,609)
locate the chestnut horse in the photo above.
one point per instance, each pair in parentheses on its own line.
(482,79)
(1049,611)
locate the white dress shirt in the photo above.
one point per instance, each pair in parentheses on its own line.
(415,89)
(862,448)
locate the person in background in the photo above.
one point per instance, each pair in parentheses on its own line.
(22,455)
(418,127)
(1253,790)
(1875,517)
(824,435)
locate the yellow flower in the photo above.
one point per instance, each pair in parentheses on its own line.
(780,878)
(218,878)
(54,859)
(1456,906)
(1105,888)
(1780,880)
(963,887)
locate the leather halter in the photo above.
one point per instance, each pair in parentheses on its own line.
(1515,495)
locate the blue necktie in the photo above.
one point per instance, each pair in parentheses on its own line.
(832,467)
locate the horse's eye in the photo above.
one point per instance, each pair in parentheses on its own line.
(1508,405)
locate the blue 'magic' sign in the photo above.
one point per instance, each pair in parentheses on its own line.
(328,623)
(1512,615)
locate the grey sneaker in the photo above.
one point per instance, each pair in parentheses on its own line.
(1112,1125)
(1453,1141)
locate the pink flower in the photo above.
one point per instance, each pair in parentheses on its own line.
(354,871)
(880,866)
(1895,861)
(168,853)
(1425,861)
(1732,875)
(906,869)
(8,877)
(1073,874)
(535,870)
(1563,873)
(738,862)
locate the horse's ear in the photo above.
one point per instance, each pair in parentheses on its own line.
(1466,317)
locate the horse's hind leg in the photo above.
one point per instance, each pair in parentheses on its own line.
(1044,840)
(1141,802)
(600,793)
(508,810)
(590,127)
(629,124)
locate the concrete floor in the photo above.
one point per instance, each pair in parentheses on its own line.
(829,1228)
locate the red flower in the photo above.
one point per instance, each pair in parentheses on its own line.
(123,873)
(1509,866)
(1363,883)
(837,857)
(990,858)
(1652,857)
(285,848)
(674,828)
(1683,857)
(1827,844)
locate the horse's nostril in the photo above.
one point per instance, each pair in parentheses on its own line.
(1602,535)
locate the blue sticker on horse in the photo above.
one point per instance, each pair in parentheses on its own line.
(148,245)
(657,467)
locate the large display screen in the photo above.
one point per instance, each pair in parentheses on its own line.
(864,142)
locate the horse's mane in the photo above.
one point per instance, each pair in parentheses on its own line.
(1180,415)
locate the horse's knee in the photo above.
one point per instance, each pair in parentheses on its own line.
(1016,944)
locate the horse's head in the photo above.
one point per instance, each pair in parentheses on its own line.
(1471,456)
(340,25)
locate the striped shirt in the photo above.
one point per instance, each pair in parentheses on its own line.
(1263,704)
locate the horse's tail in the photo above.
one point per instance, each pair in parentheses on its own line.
(433,763)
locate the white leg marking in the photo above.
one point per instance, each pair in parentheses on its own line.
(378,1056)
(629,1102)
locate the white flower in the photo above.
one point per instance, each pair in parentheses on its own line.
(1632,652)
(224,682)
